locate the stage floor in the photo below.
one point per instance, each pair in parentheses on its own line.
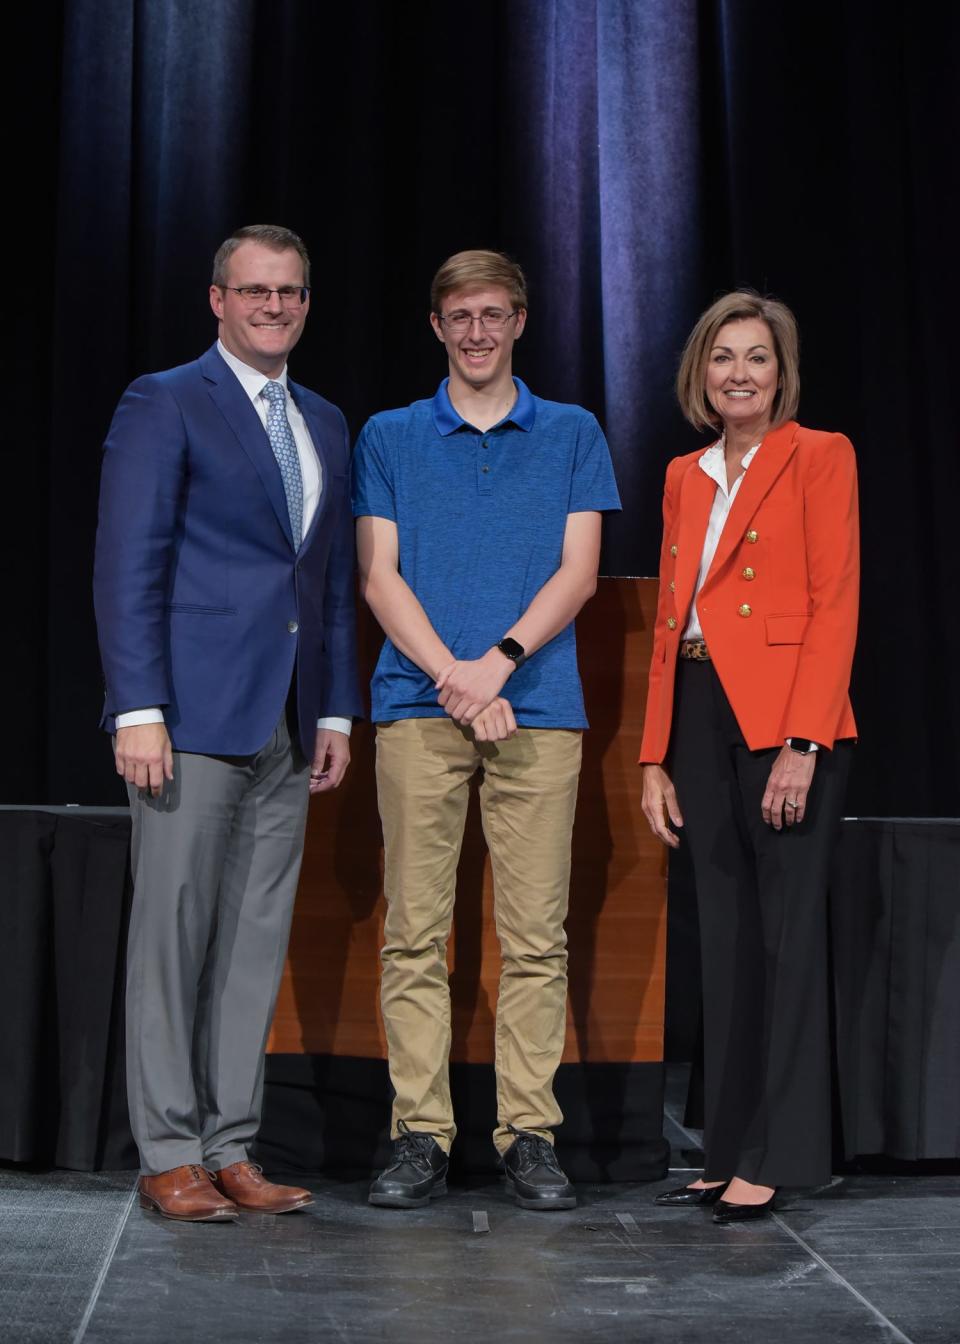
(871,1258)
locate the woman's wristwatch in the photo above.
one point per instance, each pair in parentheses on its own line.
(802,745)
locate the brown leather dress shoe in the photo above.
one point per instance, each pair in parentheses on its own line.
(188,1194)
(248,1188)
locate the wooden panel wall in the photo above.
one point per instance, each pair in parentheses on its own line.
(328,1000)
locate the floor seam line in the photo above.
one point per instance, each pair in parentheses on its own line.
(837,1277)
(107,1262)
(695,1142)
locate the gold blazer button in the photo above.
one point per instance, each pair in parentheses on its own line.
(744,610)
(673,586)
(749,573)
(671,622)
(752,536)
(673,550)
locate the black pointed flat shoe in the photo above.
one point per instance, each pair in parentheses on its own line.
(690,1197)
(742,1213)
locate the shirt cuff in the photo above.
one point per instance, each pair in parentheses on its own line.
(134,717)
(336,725)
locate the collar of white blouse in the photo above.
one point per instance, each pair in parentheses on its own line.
(712,463)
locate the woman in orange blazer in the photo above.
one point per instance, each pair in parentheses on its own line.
(747,738)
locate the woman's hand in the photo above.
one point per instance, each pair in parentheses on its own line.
(785,799)
(660,802)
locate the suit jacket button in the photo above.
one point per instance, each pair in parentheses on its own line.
(752,536)
(673,550)
(671,622)
(749,573)
(292,627)
(744,610)
(673,586)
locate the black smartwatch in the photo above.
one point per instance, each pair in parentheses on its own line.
(512,650)
(802,745)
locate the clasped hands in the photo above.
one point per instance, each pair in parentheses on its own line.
(469,691)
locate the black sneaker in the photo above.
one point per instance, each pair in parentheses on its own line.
(417,1174)
(534,1174)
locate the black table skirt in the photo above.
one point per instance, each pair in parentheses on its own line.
(64,903)
(895,917)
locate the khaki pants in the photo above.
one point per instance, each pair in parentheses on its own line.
(528,794)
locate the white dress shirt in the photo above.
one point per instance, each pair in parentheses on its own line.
(253,382)
(712,462)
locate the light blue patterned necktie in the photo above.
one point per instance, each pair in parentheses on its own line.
(285,451)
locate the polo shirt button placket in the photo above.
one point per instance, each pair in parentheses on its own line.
(484,474)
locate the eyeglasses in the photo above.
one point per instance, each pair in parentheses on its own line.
(491,319)
(291,296)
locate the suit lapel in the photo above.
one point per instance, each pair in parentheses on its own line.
(697,493)
(775,452)
(235,406)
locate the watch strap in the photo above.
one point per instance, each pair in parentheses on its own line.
(512,649)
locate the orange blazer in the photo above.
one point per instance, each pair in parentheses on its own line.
(778,608)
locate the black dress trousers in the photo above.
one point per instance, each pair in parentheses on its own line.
(762,902)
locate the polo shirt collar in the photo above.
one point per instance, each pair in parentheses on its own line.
(448,420)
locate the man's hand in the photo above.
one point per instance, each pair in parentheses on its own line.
(331,756)
(495,723)
(785,799)
(660,802)
(144,756)
(467,687)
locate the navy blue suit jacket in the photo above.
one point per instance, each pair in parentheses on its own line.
(203,605)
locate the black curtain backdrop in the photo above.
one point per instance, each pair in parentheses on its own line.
(637,157)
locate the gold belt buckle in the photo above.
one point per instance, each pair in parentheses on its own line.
(695,650)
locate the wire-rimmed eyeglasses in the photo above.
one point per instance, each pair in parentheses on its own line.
(291,296)
(491,319)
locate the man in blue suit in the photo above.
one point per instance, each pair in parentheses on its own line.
(224,598)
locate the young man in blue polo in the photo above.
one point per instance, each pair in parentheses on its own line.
(478,531)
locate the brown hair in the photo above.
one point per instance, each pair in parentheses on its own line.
(268,235)
(735,307)
(478,269)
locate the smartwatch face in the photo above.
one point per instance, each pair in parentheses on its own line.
(511,648)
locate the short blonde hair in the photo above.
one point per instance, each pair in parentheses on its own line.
(274,236)
(736,307)
(478,269)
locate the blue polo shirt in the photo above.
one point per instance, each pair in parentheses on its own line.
(480,518)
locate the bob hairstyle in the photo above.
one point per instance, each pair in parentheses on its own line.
(478,269)
(735,307)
